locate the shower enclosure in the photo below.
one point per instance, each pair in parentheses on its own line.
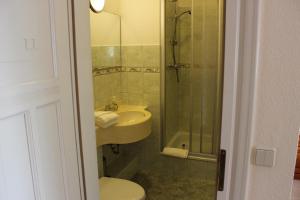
(192,77)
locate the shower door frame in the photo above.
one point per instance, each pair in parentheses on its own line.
(213,157)
(240,59)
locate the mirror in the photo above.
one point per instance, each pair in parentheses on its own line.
(97,5)
(105,40)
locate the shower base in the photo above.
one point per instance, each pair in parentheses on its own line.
(201,150)
(180,140)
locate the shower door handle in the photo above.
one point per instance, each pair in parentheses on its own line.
(222,165)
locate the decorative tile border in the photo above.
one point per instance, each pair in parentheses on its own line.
(151,70)
(98,71)
(141,69)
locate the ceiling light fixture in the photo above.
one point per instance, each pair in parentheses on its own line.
(97,5)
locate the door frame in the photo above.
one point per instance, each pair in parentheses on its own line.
(79,21)
(241,61)
(241,53)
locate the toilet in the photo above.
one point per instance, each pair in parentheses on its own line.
(119,189)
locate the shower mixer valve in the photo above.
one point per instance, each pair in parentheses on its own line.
(173,42)
(176,66)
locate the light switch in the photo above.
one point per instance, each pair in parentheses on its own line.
(29,43)
(260,157)
(265,157)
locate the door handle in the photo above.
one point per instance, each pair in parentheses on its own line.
(222,166)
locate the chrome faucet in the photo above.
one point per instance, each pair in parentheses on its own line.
(111,107)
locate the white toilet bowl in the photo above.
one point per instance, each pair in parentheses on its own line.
(119,189)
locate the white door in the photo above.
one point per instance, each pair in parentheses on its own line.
(38,152)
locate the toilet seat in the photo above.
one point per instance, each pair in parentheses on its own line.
(119,189)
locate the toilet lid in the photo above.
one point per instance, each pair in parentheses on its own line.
(119,189)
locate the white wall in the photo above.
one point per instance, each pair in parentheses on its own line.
(140,22)
(277,103)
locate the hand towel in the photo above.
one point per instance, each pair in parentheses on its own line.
(106,119)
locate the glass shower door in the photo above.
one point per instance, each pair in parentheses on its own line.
(193,77)
(206,76)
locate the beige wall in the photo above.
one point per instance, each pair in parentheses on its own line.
(112,6)
(105,26)
(140,22)
(105,29)
(277,104)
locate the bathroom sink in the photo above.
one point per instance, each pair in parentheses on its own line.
(134,124)
(130,117)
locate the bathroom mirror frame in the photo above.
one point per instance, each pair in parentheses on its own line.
(119,35)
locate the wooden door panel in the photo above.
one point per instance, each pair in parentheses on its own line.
(31,42)
(15,166)
(49,152)
(36,87)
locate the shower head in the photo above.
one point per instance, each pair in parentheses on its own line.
(183,13)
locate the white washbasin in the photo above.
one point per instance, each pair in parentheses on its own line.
(134,124)
(131,117)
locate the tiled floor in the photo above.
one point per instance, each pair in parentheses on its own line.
(178,179)
(296,190)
